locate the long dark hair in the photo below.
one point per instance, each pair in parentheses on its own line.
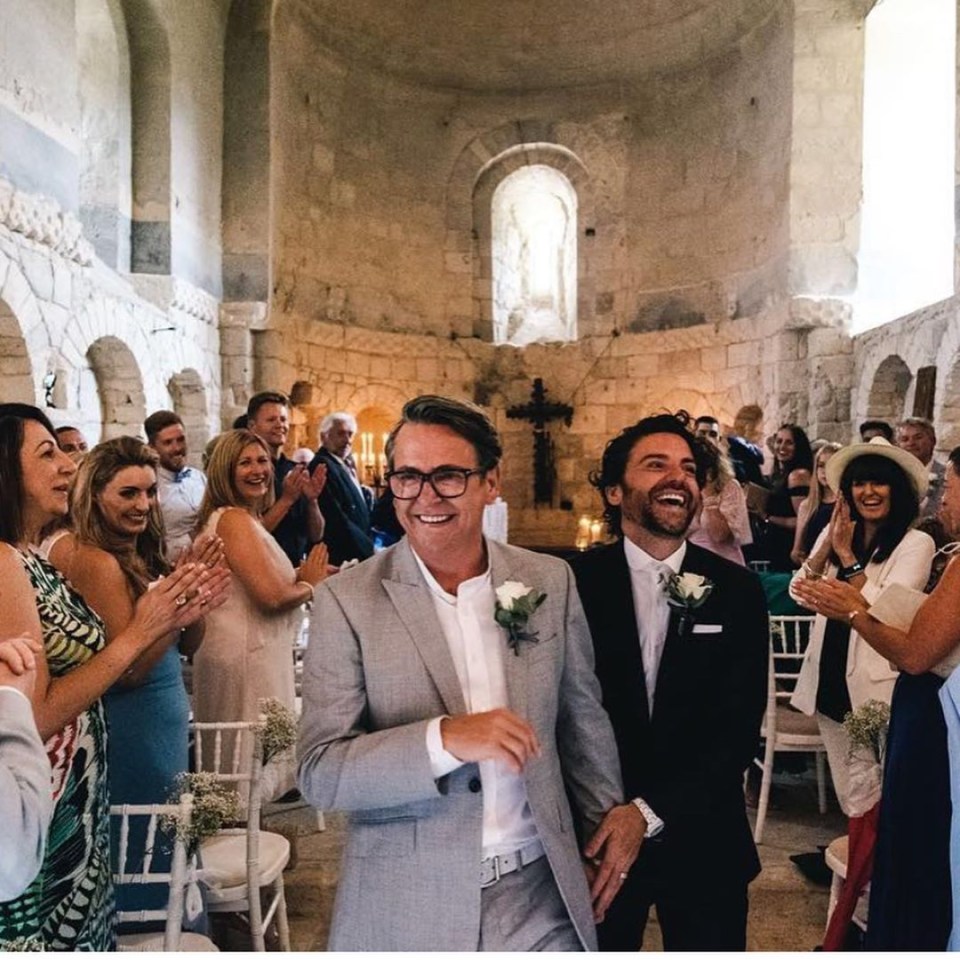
(802,454)
(12,419)
(904,505)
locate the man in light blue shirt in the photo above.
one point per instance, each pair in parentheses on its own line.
(180,488)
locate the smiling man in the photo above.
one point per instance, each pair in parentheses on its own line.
(683,667)
(452,752)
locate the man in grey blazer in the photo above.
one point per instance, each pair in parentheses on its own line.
(452,748)
(26,793)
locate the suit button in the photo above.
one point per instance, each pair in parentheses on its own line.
(474,785)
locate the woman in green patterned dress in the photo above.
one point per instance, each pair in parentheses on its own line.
(70,904)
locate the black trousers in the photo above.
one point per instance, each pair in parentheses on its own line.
(693,914)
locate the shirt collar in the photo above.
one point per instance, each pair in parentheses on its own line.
(172,477)
(639,559)
(473,585)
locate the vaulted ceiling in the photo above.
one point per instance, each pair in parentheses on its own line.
(490,45)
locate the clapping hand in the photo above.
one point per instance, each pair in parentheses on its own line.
(206,551)
(294,483)
(316,481)
(315,567)
(835,599)
(180,600)
(617,842)
(18,663)
(842,528)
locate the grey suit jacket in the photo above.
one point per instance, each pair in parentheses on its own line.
(26,795)
(377,670)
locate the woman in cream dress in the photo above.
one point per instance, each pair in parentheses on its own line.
(247,652)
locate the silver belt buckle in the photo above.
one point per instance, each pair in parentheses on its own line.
(496,874)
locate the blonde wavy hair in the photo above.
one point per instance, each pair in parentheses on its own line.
(221,474)
(815,497)
(141,559)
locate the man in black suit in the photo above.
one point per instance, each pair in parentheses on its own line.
(685,687)
(342,502)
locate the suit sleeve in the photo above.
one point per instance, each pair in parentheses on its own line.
(26,795)
(585,740)
(729,738)
(343,765)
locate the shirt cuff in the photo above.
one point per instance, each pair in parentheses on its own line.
(654,823)
(19,693)
(441,762)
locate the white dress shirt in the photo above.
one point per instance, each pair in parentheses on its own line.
(477,646)
(180,495)
(650,606)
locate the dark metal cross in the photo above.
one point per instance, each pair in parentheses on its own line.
(539,412)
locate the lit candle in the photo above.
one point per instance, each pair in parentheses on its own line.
(596,531)
(583,533)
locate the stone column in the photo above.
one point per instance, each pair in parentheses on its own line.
(238,321)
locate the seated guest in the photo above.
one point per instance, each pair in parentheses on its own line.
(910,901)
(876,428)
(112,557)
(70,440)
(69,906)
(26,799)
(723,524)
(294,517)
(917,436)
(344,501)
(817,507)
(870,545)
(790,484)
(179,487)
(247,651)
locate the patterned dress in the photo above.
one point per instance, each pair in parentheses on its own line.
(70,904)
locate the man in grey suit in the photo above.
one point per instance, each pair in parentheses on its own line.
(26,792)
(451,747)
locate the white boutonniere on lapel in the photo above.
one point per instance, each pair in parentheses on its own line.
(685,593)
(515,604)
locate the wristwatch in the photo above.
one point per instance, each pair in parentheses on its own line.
(654,823)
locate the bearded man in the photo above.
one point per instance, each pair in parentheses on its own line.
(680,638)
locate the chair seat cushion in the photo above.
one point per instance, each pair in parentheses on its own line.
(153,943)
(792,723)
(224,858)
(836,856)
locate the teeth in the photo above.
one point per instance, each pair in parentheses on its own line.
(433,519)
(675,498)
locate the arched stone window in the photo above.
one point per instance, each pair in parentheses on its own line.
(534,253)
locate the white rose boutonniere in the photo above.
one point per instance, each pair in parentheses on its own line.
(686,592)
(515,604)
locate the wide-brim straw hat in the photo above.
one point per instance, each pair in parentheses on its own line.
(917,473)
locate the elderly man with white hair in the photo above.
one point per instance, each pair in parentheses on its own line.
(342,501)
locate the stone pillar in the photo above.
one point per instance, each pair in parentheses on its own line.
(237,322)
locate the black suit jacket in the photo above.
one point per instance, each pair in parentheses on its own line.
(687,760)
(345,512)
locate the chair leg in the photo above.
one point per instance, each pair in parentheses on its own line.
(821,781)
(256,920)
(283,927)
(764,798)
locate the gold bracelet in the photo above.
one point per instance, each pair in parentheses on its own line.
(309,586)
(809,572)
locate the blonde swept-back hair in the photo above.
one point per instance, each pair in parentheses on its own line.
(142,559)
(221,466)
(815,497)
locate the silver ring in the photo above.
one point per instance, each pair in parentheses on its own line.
(181,600)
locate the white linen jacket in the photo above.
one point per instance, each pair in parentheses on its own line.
(869,674)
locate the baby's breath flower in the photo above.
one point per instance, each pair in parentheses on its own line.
(279,732)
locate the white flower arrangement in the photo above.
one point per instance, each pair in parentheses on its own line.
(516,603)
(686,592)
(214,806)
(279,730)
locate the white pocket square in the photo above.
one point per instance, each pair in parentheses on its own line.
(708,628)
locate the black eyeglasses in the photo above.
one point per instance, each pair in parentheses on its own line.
(447,482)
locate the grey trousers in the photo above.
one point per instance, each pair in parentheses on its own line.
(524,911)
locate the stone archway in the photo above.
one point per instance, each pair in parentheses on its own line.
(119,388)
(190,401)
(888,391)
(16,376)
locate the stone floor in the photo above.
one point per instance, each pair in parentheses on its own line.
(787,912)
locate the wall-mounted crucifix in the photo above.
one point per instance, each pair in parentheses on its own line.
(540,412)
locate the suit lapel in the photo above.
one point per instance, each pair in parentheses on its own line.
(345,481)
(411,599)
(514,665)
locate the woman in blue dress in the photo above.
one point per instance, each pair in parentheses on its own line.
(113,555)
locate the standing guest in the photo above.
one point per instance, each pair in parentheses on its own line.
(870,545)
(685,692)
(69,906)
(71,440)
(792,463)
(247,651)
(876,428)
(817,507)
(343,502)
(910,901)
(294,518)
(452,752)
(723,523)
(917,436)
(26,801)
(179,487)
(112,557)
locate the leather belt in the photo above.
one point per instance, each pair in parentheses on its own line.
(493,868)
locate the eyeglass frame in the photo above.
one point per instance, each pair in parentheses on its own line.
(428,478)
